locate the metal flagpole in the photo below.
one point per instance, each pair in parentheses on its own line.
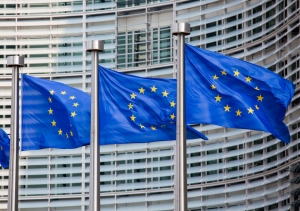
(180,29)
(94,46)
(13,183)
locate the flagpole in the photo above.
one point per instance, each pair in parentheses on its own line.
(13,183)
(94,46)
(180,29)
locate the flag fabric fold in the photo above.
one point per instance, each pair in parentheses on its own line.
(4,149)
(136,109)
(233,93)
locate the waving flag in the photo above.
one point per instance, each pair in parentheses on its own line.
(139,110)
(233,93)
(54,115)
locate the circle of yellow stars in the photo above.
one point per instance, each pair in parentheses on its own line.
(142,90)
(227,108)
(72,114)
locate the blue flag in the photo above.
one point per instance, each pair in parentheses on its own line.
(137,110)
(4,149)
(55,115)
(233,93)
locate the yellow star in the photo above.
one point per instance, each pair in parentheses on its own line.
(130,106)
(213,86)
(165,93)
(50,111)
(260,98)
(67,136)
(73,114)
(53,123)
(72,97)
(250,110)
(153,128)
(223,72)
(173,103)
(238,112)
(248,79)
(142,90)
(256,106)
(50,100)
(75,104)
(256,88)
(227,108)
(51,92)
(60,132)
(71,133)
(218,98)
(142,126)
(132,96)
(172,116)
(215,77)
(63,92)
(153,89)
(236,73)
(132,117)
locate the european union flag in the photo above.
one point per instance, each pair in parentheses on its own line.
(137,110)
(233,93)
(54,115)
(4,149)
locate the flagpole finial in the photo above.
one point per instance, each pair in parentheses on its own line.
(15,61)
(181,28)
(95,45)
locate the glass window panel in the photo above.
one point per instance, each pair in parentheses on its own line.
(270,3)
(164,53)
(212,44)
(165,44)
(257,19)
(129,49)
(231,39)
(121,40)
(233,18)
(231,29)
(155,45)
(257,30)
(165,60)
(129,58)
(257,9)
(129,39)
(122,49)
(270,23)
(155,54)
(165,34)
(211,24)
(212,34)
(155,35)
(121,59)
(270,13)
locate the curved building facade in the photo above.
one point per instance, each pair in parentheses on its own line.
(235,170)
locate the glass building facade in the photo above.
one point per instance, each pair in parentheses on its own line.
(235,170)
